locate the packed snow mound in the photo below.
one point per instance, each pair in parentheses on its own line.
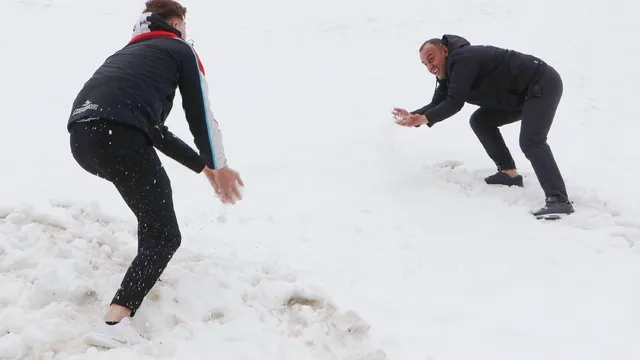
(60,267)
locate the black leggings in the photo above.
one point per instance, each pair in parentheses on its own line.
(123,156)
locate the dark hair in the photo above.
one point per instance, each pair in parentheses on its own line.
(434,41)
(166,8)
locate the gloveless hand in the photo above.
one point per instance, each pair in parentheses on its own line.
(225,182)
(399,113)
(412,120)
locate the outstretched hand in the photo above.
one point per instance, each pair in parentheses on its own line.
(399,113)
(404,118)
(225,182)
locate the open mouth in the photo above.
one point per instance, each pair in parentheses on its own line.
(434,71)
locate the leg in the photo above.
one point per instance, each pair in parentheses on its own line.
(485,123)
(538,115)
(123,156)
(145,187)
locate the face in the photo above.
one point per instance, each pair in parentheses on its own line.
(181,25)
(435,59)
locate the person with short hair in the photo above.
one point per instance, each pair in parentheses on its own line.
(116,124)
(507,86)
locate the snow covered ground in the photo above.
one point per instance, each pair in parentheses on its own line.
(356,239)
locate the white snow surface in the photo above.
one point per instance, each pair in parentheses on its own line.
(356,239)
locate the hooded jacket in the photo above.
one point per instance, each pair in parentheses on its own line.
(136,86)
(482,75)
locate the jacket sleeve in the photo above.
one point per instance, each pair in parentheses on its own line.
(463,74)
(439,95)
(197,107)
(169,144)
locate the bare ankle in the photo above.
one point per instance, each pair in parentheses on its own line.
(117,313)
(511,172)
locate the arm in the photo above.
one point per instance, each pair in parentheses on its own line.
(439,95)
(463,74)
(173,147)
(197,107)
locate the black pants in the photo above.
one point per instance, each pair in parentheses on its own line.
(537,116)
(123,156)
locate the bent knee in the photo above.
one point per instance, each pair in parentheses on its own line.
(173,241)
(164,239)
(483,118)
(528,145)
(475,121)
(169,245)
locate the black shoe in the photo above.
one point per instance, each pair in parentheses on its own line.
(554,209)
(501,178)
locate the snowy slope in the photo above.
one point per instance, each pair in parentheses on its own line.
(385,238)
